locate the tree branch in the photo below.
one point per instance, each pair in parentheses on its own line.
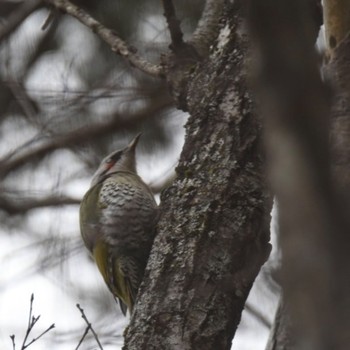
(79,135)
(208,27)
(24,205)
(32,320)
(110,37)
(18,16)
(173,25)
(258,315)
(89,325)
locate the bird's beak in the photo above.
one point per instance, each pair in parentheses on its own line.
(132,145)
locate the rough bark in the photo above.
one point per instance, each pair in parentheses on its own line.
(214,229)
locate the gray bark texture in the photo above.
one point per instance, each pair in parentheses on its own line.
(213,232)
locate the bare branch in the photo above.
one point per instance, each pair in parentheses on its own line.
(77,136)
(32,320)
(208,26)
(83,337)
(173,25)
(29,326)
(13,341)
(89,325)
(22,98)
(26,204)
(110,37)
(258,315)
(39,336)
(18,16)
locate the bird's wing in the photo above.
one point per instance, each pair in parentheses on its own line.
(115,272)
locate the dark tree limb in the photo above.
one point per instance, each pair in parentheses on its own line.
(75,137)
(18,16)
(89,327)
(108,36)
(258,315)
(173,25)
(22,206)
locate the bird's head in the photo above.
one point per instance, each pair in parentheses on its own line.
(120,160)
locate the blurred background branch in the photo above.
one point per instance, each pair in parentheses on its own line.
(18,16)
(110,37)
(13,207)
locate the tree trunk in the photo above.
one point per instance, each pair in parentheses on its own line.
(214,229)
(313,200)
(281,337)
(339,70)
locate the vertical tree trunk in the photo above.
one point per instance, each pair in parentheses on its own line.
(313,204)
(214,229)
(281,336)
(339,70)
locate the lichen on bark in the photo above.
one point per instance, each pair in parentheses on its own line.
(213,233)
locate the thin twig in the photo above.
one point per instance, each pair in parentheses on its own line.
(89,325)
(22,99)
(32,320)
(110,37)
(39,336)
(173,25)
(18,16)
(13,341)
(258,314)
(29,327)
(83,337)
(16,86)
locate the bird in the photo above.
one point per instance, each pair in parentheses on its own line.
(118,215)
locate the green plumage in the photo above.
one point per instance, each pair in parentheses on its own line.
(117,220)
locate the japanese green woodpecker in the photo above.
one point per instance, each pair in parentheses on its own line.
(117,220)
